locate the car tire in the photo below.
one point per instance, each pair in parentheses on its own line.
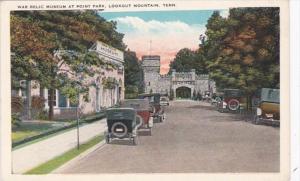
(162,118)
(140,121)
(256,120)
(118,135)
(107,139)
(230,106)
(134,140)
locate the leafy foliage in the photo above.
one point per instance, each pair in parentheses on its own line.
(16,109)
(242,51)
(186,59)
(109,82)
(52,47)
(133,74)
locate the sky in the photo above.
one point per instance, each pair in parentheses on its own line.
(161,33)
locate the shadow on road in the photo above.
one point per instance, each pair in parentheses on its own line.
(231,118)
(144,133)
(125,142)
(202,107)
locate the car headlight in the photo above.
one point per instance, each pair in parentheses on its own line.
(224,104)
(258,112)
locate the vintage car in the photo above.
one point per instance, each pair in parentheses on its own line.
(143,109)
(158,109)
(207,96)
(164,101)
(217,98)
(232,99)
(268,109)
(122,123)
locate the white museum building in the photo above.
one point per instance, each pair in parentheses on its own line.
(100,96)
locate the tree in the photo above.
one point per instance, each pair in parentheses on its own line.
(186,59)
(64,38)
(242,50)
(133,74)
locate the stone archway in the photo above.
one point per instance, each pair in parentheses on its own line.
(183,92)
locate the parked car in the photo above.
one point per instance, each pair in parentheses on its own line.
(268,109)
(217,98)
(143,109)
(207,96)
(232,100)
(121,124)
(158,110)
(164,101)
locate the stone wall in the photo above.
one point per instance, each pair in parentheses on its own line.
(157,83)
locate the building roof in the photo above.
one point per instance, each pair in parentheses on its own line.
(114,55)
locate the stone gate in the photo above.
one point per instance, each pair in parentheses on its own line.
(176,81)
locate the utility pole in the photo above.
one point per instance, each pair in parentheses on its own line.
(77,115)
(150,47)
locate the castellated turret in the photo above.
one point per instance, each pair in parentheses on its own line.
(151,70)
(180,83)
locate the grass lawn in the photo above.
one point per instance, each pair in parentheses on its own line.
(26,130)
(56,162)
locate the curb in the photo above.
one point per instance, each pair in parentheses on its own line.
(58,130)
(79,157)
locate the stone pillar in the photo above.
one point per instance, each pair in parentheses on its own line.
(193,71)
(174,93)
(173,74)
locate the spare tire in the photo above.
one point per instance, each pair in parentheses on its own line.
(233,104)
(119,129)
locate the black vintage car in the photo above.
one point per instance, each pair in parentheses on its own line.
(122,124)
(154,98)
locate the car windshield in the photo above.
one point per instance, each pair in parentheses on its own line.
(232,93)
(163,99)
(138,104)
(270,95)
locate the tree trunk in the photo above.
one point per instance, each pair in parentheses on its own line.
(51,103)
(247,106)
(28,99)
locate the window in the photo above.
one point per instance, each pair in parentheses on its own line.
(62,100)
(54,98)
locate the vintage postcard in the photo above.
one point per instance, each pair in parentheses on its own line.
(146,90)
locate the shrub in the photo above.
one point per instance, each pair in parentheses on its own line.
(37,102)
(16,109)
(37,107)
(16,104)
(15,120)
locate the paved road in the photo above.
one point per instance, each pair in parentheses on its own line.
(195,138)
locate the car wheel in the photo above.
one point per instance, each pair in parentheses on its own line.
(256,120)
(134,140)
(221,110)
(162,118)
(123,129)
(233,105)
(107,139)
(140,121)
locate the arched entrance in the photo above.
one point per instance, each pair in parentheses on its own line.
(183,93)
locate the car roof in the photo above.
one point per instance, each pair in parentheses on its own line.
(139,104)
